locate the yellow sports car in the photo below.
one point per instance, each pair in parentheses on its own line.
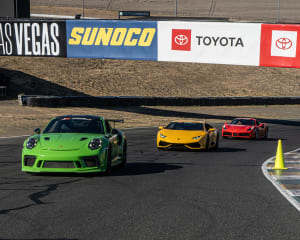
(183,134)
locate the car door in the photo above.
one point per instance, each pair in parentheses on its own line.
(113,139)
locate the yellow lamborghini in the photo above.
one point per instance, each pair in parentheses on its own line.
(183,134)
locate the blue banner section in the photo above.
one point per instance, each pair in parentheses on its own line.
(112,39)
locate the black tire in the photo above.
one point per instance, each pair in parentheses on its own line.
(124,156)
(108,164)
(216,147)
(266,134)
(207,143)
(257,137)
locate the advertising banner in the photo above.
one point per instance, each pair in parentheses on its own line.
(112,39)
(209,42)
(33,38)
(280,45)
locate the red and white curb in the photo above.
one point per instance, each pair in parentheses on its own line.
(291,159)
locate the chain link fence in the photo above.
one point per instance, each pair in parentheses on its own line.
(255,10)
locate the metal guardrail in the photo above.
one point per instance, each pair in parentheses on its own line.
(89,101)
(3,90)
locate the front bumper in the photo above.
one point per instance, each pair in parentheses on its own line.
(64,161)
(231,134)
(193,145)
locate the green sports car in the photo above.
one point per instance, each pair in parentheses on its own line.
(75,143)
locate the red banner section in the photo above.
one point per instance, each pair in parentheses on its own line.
(280,45)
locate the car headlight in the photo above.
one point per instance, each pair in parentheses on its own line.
(196,138)
(250,129)
(95,144)
(162,136)
(31,143)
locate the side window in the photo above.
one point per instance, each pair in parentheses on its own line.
(108,127)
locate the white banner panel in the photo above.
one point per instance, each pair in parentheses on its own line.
(209,42)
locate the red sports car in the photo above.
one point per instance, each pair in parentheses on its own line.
(245,128)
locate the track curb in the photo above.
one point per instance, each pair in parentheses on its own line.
(283,191)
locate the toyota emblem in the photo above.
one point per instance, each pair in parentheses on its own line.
(284,43)
(181,40)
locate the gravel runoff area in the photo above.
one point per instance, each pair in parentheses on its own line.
(22,120)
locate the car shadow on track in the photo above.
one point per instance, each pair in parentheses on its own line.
(133,168)
(220,149)
(254,140)
(141,168)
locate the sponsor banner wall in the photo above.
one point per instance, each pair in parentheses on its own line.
(209,42)
(33,38)
(280,45)
(112,39)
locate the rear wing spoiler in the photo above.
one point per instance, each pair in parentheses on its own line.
(115,120)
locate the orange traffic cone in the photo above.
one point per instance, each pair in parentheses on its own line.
(279,161)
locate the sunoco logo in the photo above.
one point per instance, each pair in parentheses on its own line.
(284,43)
(141,37)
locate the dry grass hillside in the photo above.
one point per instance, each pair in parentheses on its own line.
(97,77)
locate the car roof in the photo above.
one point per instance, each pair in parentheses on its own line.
(246,118)
(79,116)
(190,121)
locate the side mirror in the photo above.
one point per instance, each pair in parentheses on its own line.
(37,131)
(261,125)
(160,127)
(211,129)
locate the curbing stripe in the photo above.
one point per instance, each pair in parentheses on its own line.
(284,192)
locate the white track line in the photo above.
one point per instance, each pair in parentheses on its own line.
(15,136)
(284,192)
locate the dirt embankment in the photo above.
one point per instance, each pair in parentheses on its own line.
(98,77)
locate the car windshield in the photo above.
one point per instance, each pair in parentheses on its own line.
(75,125)
(185,126)
(248,122)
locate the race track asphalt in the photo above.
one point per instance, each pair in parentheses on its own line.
(159,195)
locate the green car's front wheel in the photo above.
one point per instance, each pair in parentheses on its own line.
(108,162)
(124,155)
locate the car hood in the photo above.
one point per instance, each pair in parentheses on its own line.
(65,141)
(235,127)
(181,135)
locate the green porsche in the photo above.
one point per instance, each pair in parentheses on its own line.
(75,143)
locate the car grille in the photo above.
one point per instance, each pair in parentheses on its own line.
(226,134)
(244,134)
(162,143)
(58,164)
(91,161)
(194,145)
(29,160)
